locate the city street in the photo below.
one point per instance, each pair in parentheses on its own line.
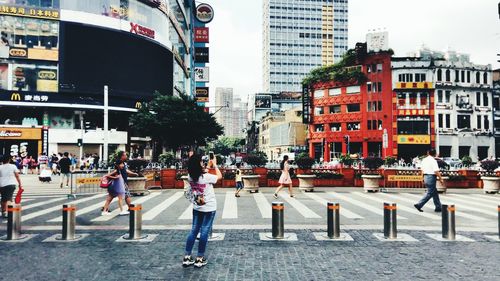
(241,255)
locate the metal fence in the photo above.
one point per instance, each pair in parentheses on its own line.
(87,182)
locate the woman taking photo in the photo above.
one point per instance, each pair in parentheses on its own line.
(285,177)
(202,195)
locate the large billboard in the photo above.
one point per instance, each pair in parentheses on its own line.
(201,55)
(263,101)
(201,74)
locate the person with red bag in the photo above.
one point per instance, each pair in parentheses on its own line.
(115,189)
(9,177)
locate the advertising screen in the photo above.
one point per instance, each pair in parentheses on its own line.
(262,102)
(130,66)
(35,78)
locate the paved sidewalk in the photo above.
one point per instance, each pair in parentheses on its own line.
(241,256)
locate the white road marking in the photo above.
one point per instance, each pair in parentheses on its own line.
(153,213)
(399,206)
(187,214)
(230,206)
(38,204)
(301,208)
(58,208)
(366,206)
(343,211)
(263,205)
(115,212)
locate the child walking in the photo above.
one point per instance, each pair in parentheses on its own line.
(239,181)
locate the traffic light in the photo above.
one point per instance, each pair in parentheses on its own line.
(80,142)
(346,139)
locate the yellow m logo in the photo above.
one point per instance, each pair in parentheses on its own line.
(138,105)
(15,96)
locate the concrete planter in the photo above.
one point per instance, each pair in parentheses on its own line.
(251,183)
(306,182)
(441,187)
(370,182)
(137,185)
(491,184)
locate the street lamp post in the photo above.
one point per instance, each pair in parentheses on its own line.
(106,129)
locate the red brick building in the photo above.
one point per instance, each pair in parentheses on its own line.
(351,117)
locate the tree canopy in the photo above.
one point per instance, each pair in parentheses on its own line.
(226,145)
(174,122)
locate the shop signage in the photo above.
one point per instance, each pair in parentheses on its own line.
(201,54)
(29,97)
(201,35)
(22,11)
(138,105)
(414,139)
(83,181)
(263,102)
(10,134)
(414,85)
(201,74)
(404,178)
(202,94)
(18,53)
(45,140)
(204,13)
(142,30)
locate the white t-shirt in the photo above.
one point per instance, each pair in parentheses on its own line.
(7,176)
(429,165)
(206,182)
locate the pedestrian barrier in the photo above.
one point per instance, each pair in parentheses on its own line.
(68,222)
(448,222)
(87,182)
(390,221)
(333,220)
(14,222)
(278,227)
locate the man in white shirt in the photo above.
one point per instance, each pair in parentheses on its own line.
(430,169)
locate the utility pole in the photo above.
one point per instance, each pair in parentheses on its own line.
(106,129)
(82,131)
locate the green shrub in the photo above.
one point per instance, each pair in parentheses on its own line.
(466,161)
(373,163)
(389,161)
(167,159)
(346,160)
(256,159)
(305,163)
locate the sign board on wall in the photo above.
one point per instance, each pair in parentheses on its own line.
(201,74)
(31,12)
(201,35)
(142,30)
(204,13)
(377,41)
(201,55)
(202,94)
(414,139)
(262,102)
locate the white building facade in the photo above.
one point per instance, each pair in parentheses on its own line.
(298,36)
(463,101)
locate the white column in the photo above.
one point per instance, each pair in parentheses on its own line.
(106,129)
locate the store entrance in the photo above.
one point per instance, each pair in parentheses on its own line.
(410,151)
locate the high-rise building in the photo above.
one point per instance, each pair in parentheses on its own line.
(299,35)
(223,108)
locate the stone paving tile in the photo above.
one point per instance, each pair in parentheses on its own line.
(242,256)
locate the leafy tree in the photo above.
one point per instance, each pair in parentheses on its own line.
(173,122)
(226,145)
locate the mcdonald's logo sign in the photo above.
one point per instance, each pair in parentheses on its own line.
(138,105)
(15,97)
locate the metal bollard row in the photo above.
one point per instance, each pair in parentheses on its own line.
(448,222)
(68,222)
(135,222)
(278,222)
(390,221)
(14,222)
(333,220)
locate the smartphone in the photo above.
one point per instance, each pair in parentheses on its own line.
(211,155)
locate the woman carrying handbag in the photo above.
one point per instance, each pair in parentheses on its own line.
(115,189)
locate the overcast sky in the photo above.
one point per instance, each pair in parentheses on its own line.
(467,26)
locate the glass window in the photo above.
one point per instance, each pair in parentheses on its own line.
(478,98)
(440,75)
(319,94)
(353,126)
(354,107)
(448,75)
(319,110)
(478,123)
(478,77)
(485,99)
(335,127)
(320,128)
(353,89)
(486,123)
(447,96)
(440,96)
(440,120)
(335,109)
(448,121)
(334,92)
(463,121)
(379,86)
(468,76)
(379,67)
(485,78)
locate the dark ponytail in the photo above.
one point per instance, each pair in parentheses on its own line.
(282,164)
(195,169)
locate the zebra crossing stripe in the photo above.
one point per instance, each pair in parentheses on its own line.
(377,211)
(44,203)
(230,210)
(187,214)
(153,213)
(58,208)
(404,208)
(300,207)
(343,211)
(477,197)
(472,206)
(115,212)
(82,211)
(263,205)
(458,214)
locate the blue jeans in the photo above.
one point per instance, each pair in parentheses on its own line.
(430,183)
(202,222)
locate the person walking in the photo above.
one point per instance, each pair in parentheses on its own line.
(239,180)
(9,176)
(66,168)
(430,170)
(202,195)
(116,189)
(285,178)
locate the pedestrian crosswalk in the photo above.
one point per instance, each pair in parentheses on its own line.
(358,207)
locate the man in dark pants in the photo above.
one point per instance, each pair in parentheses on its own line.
(430,169)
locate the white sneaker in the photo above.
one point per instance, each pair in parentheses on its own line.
(124,213)
(105,213)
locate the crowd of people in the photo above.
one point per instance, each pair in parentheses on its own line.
(32,165)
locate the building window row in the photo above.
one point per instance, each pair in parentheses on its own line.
(374,124)
(295,55)
(485,99)
(374,106)
(296,18)
(374,87)
(374,68)
(408,77)
(315,35)
(293,63)
(295,27)
(444,121)
(483,119)
(295,8)
(463,76)
(443,96)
